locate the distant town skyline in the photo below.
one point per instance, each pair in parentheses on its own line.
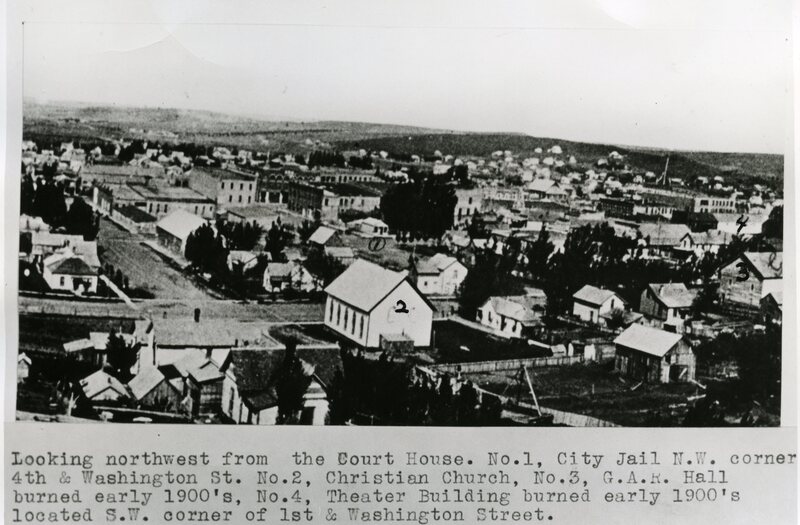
(688,88)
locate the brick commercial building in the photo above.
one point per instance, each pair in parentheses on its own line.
(325,202)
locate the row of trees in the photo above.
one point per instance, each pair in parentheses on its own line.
(592,254)
(326,159)
(46,199)
(386,392)
(240,236)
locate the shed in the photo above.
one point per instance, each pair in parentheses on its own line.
(652,355)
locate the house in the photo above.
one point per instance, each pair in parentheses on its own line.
(249,390)
(242,260)
(70,272)
(651,355)
(367,301)
(152,389)
(23,367)
(324,236)
(591,303)
(174,229)
(660,238)
(439,275)
(203,379)
(343,254)
(32,224)
(510,315)
(101,386)
(704,242)
(667,305)
(44,243)
(281,276)
(277,276)
(369,226)
(92,349)
(752,276)
(772,308)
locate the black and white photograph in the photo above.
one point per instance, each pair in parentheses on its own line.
(406,225)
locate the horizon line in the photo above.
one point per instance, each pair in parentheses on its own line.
(431,130)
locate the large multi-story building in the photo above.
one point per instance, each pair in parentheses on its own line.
(158,200)
(225,187)
(325,202)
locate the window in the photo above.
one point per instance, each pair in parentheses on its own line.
(361,328)
(62,281)
(240,198)
(230,402)
(248,200)
(230,198)
(330,312)
(338,314)
(241,186)
(353,325)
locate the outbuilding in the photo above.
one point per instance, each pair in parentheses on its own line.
(648,354)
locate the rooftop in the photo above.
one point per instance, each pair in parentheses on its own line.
(648,340)
(768,265)
(593,295)
(221,174)
(180,223)
(210,333)
(145,381)
(363,284)
(165,192)
(673,295)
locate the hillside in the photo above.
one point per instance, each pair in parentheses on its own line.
(84,121)
(740,167)
(64,121)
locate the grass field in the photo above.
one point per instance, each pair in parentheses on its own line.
(142,266)
(450,337)
(594,389)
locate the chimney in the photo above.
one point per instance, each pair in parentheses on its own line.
(196,315)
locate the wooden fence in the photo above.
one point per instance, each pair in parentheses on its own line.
(506,364)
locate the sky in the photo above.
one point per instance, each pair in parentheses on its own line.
(608,71)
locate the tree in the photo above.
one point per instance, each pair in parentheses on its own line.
(423,207)
(27,196)
(773,226)
(324,267)
(81,219)
(538,254)
(121,356)
(206,250)
(306,229)
(277,239)
(291,385)
(49,204)
(485,279)
(477,227)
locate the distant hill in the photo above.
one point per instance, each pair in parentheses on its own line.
(85,121)
(64,121)
(743,167)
